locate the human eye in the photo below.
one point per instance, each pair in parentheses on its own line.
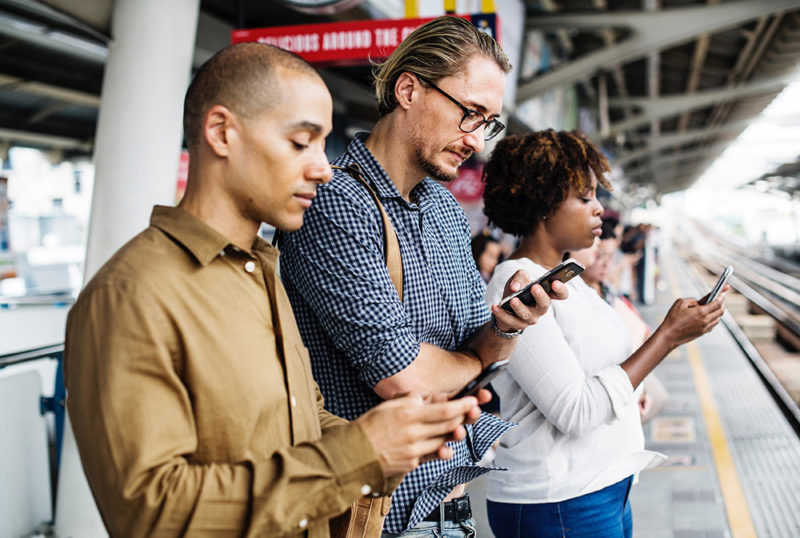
(299,146)
(474,116)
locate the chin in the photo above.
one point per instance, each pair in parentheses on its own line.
(288,223)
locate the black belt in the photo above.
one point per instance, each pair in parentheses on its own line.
(457,510)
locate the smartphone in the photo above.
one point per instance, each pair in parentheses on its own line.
(726,274)
(564,272)
(483,379)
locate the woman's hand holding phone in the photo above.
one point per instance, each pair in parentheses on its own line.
(524,302)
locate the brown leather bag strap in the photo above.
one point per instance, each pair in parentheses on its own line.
(391,247)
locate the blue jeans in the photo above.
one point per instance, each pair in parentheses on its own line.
(605,513)
(451,529)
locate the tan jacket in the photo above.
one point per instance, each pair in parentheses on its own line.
(191,397)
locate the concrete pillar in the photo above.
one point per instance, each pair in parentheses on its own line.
(137,149)
(139,125)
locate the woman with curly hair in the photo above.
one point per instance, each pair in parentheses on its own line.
(572,380)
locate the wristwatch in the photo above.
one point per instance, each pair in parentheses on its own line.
(504,334)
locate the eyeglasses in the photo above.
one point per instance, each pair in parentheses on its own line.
(472,119)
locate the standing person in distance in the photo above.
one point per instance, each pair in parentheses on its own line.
(570,384)
(190,392)
(439,97)
(487,253)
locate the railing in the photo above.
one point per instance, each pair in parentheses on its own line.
(43,352)
(15,301)
(26,442)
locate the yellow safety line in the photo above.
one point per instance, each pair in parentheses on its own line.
(736,508)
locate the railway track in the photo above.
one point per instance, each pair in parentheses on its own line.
(766,291)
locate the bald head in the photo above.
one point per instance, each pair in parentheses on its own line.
(243,78)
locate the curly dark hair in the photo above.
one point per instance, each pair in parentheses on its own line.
(528,177)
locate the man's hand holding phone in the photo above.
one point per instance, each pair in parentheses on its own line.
(408,430)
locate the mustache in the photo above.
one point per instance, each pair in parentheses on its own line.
(460,150)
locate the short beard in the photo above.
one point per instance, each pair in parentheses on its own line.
(433,171)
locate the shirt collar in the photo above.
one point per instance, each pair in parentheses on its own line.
(203,241)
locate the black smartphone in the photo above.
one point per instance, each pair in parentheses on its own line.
(726,274)
(483,379)
(564,271)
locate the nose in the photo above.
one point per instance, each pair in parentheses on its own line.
(320,169)
(474,140)
(599,207)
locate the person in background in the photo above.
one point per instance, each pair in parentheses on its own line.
(190,392)
(487,253)
(571,380)
(439,97)
(4,203)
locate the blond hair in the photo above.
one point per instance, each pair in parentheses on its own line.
(437,49)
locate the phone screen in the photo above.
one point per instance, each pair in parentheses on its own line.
(564,272)
(483,379)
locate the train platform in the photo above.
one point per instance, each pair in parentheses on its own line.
(733,468)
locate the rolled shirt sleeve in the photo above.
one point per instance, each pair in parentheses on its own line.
(336,260)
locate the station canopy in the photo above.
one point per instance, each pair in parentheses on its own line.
(668,84)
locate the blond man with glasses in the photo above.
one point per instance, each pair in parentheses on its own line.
(439,98)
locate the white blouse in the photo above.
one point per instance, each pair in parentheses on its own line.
(579,427)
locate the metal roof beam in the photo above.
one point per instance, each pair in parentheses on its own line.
(687,156)
(40,34)
(665,141)
(53,92)
(23,138)
(651,31)
(666,106)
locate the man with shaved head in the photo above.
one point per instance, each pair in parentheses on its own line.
(189,387)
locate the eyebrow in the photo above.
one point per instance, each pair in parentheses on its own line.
(306,126)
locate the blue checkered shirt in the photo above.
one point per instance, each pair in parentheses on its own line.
(356,328)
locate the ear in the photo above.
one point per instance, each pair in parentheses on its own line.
(218,125)
(406,89)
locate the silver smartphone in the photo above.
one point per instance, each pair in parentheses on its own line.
(726,274)
(564,272)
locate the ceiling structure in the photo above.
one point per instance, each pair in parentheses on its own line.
(673,82)
(670,82)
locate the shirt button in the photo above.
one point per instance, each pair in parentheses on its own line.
(294,401)
(303,523)
(250,267)
(366,489)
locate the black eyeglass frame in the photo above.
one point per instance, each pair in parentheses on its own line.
(487,132)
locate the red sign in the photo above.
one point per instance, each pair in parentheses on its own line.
(467,187)
(183,175)
(352,42)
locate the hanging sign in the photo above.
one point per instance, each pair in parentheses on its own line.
(351,42)
(468,186)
